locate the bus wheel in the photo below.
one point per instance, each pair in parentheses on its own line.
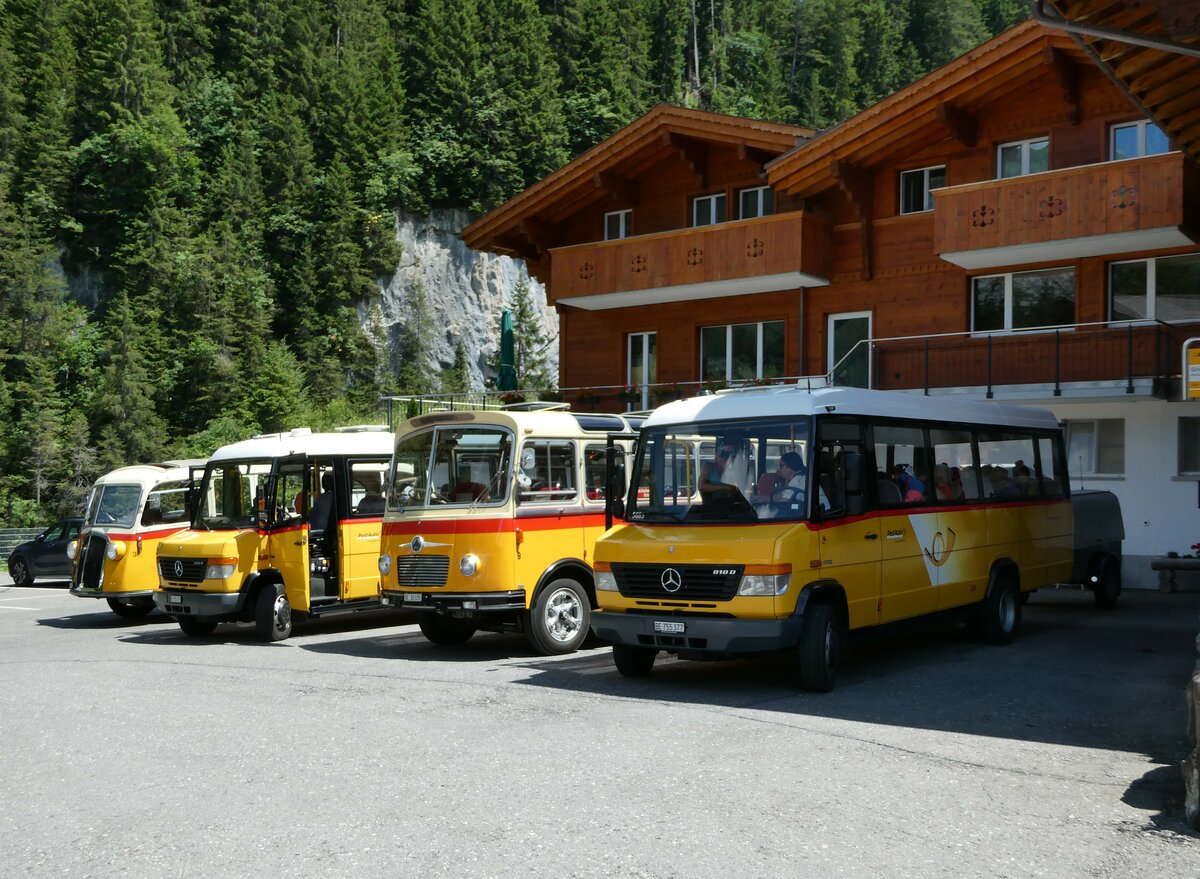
(1108,587)
(197,627)
(132,608)
(445,631)
(559,619)
(820,648)
(634,662)
(1000,613)
(272,614)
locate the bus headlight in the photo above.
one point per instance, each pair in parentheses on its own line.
(72,548)
(114,550)
(385,565)
(605,581)
(469,564)
(220,569)
(764,584)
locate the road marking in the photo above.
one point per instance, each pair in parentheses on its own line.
(14,606)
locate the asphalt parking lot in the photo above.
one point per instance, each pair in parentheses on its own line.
(355,748)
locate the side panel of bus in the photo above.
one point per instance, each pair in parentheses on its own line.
(552,519)
(359,534)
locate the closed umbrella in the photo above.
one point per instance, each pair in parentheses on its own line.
(506,378)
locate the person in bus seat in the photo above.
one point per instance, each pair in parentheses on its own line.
(372,501)
(713,482)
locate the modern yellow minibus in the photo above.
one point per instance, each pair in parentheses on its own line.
(492,518)
(778,518)
(285,526)
(129,512)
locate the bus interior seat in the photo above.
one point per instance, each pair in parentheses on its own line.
(889,492)
(467,492)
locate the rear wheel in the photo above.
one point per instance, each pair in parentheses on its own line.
(1000,613)
(272,614)
(131,608)
(820,649)
(1108,587)
(560,618)
(197,627)
(445,631)
(634,662)
(18,569)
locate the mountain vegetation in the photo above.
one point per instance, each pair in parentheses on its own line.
(197,197)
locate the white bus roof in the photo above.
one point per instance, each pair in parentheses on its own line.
(789,400)
(150,475)
(304,442)
(541,422)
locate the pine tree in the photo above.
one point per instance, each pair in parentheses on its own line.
(531,346)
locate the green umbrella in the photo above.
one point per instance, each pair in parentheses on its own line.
(506,378)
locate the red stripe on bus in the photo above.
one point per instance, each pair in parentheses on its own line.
(552,522)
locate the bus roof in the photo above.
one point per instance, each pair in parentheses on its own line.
(304,442)
(150,475)
(785,400)
(543,422)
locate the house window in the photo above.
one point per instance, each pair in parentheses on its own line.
(915,186)
(1189,446)
(1023,157)
(756,202)
(1165,288)
(1023,300)
(1133,139)
(708,209)
(1096,447)
(742,352)
(618,224)
(642,369)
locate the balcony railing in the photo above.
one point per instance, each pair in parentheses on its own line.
(1093,210)
(779,252)
(1112,355)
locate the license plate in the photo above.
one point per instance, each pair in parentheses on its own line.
(175,599)
(669,628)
(412,597)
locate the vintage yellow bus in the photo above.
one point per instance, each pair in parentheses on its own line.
(129,512)
(492,518)
(779,518)
(285,526)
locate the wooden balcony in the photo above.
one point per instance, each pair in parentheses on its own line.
(780,252)
(1094,210)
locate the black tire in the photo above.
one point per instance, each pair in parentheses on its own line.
(197,627)
(445,631)
(272,614)
(1108,587)
(560,618)
(1000,613)
(820,649)
(18,569)
(634,662)
(131,608)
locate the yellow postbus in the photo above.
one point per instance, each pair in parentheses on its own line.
(284,526)
(779,518)
(492,518)
(129,512)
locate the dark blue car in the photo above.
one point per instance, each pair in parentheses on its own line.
(45,556)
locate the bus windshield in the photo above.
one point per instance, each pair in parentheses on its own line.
(114,505)
(229,493)
(451,465)
(723,472)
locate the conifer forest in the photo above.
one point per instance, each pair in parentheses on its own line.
(198,196)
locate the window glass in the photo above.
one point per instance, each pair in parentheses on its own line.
(954,475)
(756,202)
(708,209)
(1043,299)
(230,492)
(1177,288)
(1142,138)
(1096,446)
(733,352)
(1011,160)
(167,502)
(915,187)
(288,495)
(408,479)
(547,472)
(1189,446)
(366,487)
(1039,156)
(1023,157)
(115,505)
(1157,141)
(1053,484)
(713,353)
(904,473)
(594,467)
(988,311)
(1125,141)
(773,349)
(1128,295)
(617,224)
(470,466)
(1006,465)
(745,352)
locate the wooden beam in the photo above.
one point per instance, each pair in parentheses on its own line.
(618,188)
(693,153)
(541,236)
(858,185)
(1067,73)
(962,126)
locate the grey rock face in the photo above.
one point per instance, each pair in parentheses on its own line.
(466,291)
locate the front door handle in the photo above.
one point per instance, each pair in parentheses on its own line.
(871,536)
(302,541)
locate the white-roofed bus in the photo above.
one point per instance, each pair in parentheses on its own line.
(492,517)
(778,518)
(285,526)
(129,511)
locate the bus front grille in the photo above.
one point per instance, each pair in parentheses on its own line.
(422,570)
(182,570)
(678,582)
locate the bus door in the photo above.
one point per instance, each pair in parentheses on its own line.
(549,507)
(849,541)
(907,521)
(287,539)
(324,548)
(360,530)
(957,550)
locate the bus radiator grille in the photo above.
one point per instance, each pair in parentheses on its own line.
(423,570)
(678,582)
(182,570)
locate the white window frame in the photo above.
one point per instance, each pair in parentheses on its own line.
(1094,450)
(1008,327)
(759,192)
(758,344)
(924,172)
(711,200)
(1140,125)
(1151,264)
(641,340)
(624,222)
(1024,145)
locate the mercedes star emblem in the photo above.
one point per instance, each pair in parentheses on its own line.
(418,543)
(178,569)
(671,580)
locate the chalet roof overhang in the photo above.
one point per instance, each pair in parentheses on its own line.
(525,224)
(943,104)
(691,292)
(1150,49)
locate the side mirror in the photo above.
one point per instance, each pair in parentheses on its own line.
(40,537)
(618,508)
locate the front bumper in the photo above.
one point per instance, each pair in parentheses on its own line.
(700,635)
(100,593)
(452,602)
(199,604)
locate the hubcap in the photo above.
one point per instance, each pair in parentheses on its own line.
(283,613)
(564,615)
(18,571)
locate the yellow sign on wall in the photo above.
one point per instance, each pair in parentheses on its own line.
(1192,378)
